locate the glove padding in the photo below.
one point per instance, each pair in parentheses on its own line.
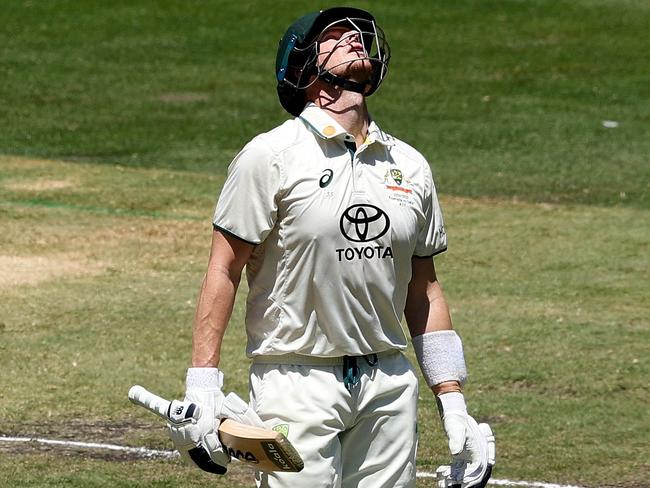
(471,444)
(198,440)
(237,409)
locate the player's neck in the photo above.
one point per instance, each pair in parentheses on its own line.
(348,108)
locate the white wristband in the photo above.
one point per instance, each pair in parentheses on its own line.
(205,379)
(441,358)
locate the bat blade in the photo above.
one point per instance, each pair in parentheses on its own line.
(264,449)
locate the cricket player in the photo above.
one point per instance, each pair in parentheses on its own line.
(336,223)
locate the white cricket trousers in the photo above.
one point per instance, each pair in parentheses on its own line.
(355,427)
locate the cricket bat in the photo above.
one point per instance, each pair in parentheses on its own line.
(262,449)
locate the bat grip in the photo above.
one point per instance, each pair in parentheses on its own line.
(152,402)
(175,412)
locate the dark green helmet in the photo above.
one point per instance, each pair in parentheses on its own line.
(296,64)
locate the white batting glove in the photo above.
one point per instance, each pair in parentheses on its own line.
(472,446)
(198,440)
(237,409)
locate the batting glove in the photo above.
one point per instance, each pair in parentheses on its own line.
(197,439)
(472,446)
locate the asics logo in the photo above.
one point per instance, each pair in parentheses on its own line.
(326,179)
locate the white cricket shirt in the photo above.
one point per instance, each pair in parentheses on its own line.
(335,230)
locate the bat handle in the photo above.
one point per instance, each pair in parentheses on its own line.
(152,402)
(174,411)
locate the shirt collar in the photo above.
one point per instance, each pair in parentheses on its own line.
(328,128)
(375,134)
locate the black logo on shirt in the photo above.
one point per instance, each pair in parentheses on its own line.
(326,179)
(367,252)
(364,223)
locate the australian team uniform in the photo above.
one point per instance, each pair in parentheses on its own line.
(335,229)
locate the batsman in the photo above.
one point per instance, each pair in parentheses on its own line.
(336,224)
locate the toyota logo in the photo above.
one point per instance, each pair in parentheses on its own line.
(364,223)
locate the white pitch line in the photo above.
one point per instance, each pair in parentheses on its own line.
(531,484)
(155,453)
(138,451)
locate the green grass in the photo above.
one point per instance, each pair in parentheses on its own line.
(101,256)
(50,471)
(506,98)
(550,301)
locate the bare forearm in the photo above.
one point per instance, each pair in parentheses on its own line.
(427,310)
(213,311)
(438,317)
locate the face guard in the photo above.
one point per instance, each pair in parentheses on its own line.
(297,64)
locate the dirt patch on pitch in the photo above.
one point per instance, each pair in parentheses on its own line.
(75,431)
(85,431)
(31,270)
(102,433)
(35,447)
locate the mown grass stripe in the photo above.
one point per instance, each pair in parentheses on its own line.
(37,202)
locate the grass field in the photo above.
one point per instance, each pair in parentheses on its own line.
(118,120)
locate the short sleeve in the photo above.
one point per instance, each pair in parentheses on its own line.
(247,206)
(432,238)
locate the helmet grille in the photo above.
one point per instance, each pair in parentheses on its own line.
(297,64)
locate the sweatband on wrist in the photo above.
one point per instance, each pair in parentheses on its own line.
(440,356)
(203,379)
(451,402)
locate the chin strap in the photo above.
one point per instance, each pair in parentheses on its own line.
(354,86)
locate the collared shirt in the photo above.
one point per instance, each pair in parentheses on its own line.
(335,228)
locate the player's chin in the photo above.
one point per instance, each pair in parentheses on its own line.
(360,69)
(361,64)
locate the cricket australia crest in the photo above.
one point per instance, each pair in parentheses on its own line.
(395,181)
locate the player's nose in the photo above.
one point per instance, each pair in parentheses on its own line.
(353,36)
